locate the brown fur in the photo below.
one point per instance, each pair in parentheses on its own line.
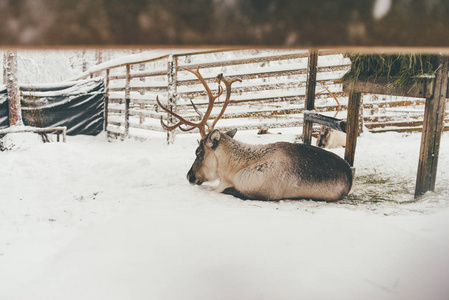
(270,172)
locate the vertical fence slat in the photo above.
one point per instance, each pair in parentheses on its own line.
(127,100)
(432,128)
(310,94)
(172,66)
(12,86)
(352,126)
(106,100)
(5,55)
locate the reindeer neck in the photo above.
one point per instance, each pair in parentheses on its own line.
(234,155)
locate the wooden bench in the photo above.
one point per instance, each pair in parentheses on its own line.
(22,129)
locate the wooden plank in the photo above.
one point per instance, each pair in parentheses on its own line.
(286,86)
(262,100)
(140,74)
(391,104)
(269,23)
(352,126)
(147,127)
(403,129)
(248,88)
(276,112)
(22,129)
(255,126)
(310,95)
(327,121)
(241,61)
(115,123)
(399,123)
(142,90)
(250,73)
(432,129)
(382,86)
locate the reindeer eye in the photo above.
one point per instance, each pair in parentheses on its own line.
(199,154)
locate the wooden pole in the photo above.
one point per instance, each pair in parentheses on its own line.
(127,100)
(15,108)
(432,129)
(5,55)
(172,67)
(352,126)
(310,95)
(106,100)
(84,61)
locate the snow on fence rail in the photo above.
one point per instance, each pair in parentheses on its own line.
(271,95)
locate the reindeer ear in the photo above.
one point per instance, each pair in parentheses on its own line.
(232,132)
(213,138)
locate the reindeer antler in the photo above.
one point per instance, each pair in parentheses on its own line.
(204,117)
(336,100)
(228,84)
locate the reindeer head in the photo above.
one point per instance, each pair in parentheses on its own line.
(204,167)
(324,137)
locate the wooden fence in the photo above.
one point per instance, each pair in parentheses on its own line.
(271,95)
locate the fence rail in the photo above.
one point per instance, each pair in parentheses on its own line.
(271,95)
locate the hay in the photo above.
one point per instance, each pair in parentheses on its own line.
(400,70)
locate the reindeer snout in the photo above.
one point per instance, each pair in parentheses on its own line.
(192,179)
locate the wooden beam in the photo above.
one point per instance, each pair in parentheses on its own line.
(22,129)
(352,126)
(310,94)
(432,129)
(327,121)
(304,23)
(382,86)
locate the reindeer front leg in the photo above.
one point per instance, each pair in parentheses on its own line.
(223,185)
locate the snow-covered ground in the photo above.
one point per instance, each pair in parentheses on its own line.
(91,219)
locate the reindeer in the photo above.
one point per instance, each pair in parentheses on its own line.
(328,137)
(261,172)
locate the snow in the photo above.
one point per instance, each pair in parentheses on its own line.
(135,58)
(91,219)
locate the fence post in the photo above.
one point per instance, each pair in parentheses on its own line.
(310,95)
(106,100)
(127,100)
(352,126)
(5,58)
(432,128)
(172,69)
(361,116)
(15,107)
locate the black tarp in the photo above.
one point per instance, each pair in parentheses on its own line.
(4,109)
(78,105)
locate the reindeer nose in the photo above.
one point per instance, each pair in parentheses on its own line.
(191,177)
